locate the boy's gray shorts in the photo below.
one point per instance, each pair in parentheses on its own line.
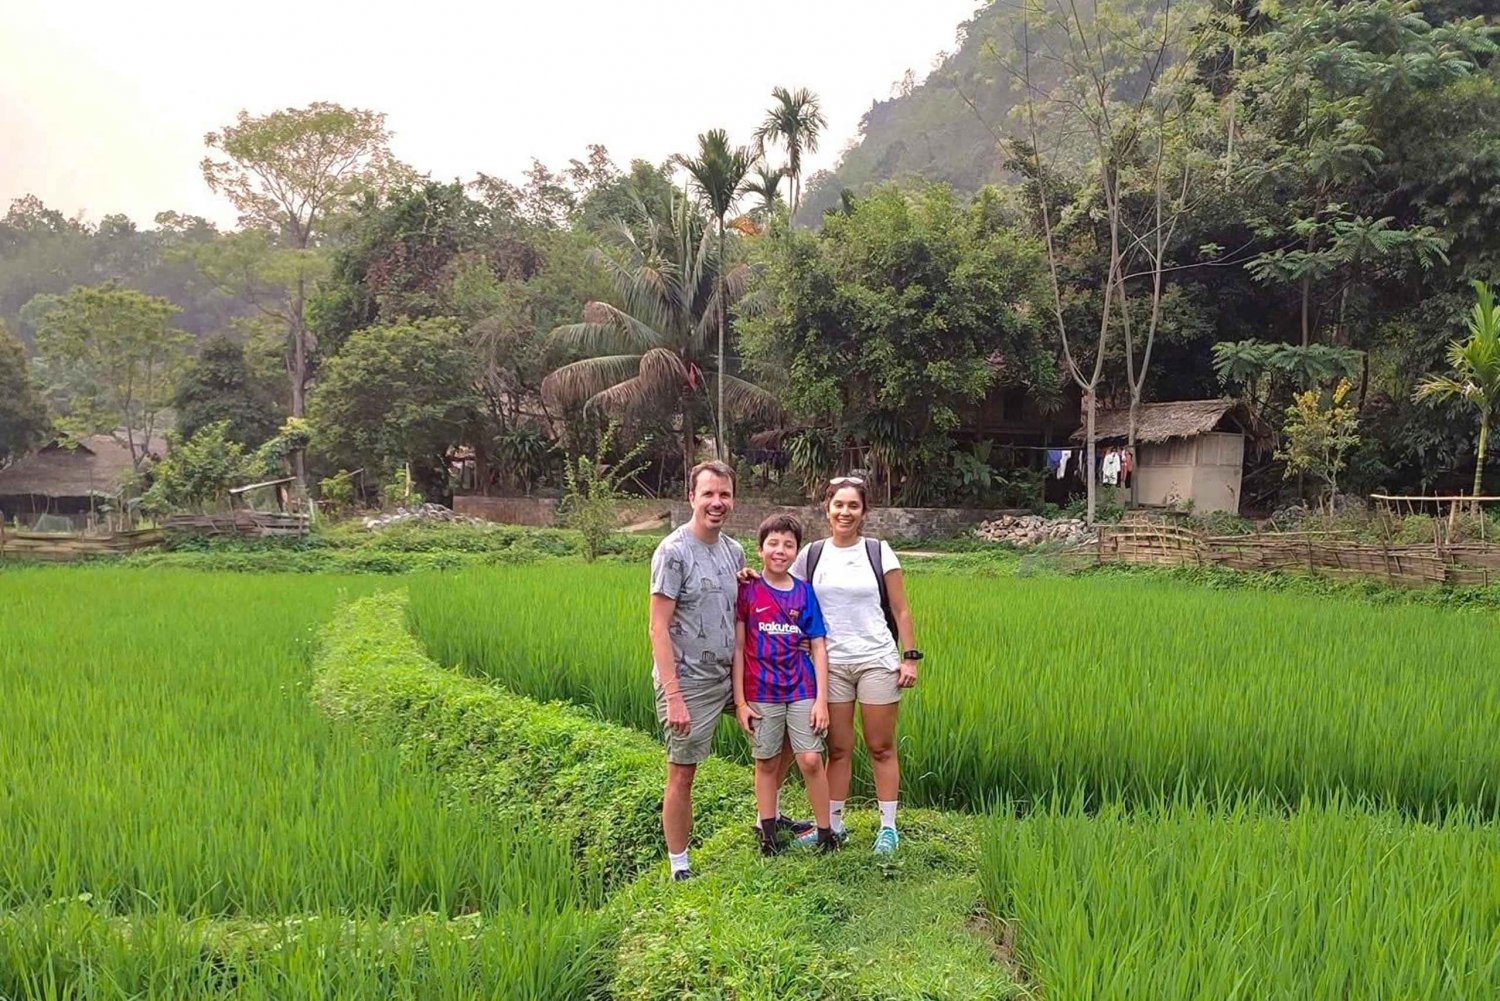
(705,705)
(778,720)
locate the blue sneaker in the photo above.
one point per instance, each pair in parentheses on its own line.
(809,839)
(886,841)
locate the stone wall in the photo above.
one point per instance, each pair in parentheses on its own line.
(889,522)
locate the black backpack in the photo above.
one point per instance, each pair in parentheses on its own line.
(872,552)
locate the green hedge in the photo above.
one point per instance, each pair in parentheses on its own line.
(599,785)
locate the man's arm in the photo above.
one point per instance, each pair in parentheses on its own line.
(665,658)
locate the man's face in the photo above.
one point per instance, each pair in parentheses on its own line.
(779,551)
(712,500)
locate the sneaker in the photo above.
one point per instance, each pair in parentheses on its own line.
(771,842)
(682,874)
(886,841)
(785,823)
(809,837)
(829,843)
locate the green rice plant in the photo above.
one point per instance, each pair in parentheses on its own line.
(1195,901)
(1125,689)
(165,771)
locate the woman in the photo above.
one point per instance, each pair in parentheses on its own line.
(872,649)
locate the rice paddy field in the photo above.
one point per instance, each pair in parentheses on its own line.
(1175,793)
(1114,690)
(177,820)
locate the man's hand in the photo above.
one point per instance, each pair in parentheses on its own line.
(746,716)
(678,719)
(907,676)
(820,716)
(747,574)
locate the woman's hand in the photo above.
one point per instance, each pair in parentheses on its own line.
(746,716)
(820,717)
(906,677)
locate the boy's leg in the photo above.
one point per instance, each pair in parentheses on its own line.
(765,792)
(815,778)
(770,733)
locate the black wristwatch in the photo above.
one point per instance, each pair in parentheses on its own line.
(912,655)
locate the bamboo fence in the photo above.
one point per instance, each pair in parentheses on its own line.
(1330,553)
(64,547)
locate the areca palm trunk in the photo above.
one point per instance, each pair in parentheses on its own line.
(722,449)
(1484,441)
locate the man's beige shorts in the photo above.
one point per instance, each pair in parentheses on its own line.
(780,720)
(872,683)
(705,705)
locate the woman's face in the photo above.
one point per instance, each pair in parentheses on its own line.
(845,511)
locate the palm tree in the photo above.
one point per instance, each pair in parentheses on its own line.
(718,173)
(650,348)
(766,185)
(797,122)
(1476,374)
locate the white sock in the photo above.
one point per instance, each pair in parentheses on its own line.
(679,861)
(888,813)
(836,814)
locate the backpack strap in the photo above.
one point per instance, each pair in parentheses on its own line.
(872,552)
(814,554)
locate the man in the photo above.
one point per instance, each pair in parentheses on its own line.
(693,592)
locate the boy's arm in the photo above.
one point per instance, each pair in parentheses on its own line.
(742,711)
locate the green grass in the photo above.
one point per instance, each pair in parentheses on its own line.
(165,773)
(1195,902)
(1120,689)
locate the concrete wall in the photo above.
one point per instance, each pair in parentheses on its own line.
(909,523)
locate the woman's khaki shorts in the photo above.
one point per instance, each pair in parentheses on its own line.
(872,683)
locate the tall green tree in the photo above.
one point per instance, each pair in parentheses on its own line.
(111,358)
(650,349)
(396,394)
(1475,375)
(795,120)
(219,386)
(718,174)
(882,329)
(290,173)
(23,418)
(766,185)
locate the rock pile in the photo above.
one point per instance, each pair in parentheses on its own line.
(1033,530)
(425,513)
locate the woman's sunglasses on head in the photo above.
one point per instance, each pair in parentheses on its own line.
(839,481)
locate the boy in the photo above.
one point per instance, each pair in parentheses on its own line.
(780,692)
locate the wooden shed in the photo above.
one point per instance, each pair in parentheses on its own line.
(1189,452)
(66,483)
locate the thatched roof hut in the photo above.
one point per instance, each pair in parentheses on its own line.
(1159,422)
(1191,452)
(67,479)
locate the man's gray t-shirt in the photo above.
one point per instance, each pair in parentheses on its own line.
(701,579)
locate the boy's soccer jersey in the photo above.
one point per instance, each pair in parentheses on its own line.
(777,622)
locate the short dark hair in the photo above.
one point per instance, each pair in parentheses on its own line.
(781,523)
(713,466)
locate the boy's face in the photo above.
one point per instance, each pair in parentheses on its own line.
(779,551)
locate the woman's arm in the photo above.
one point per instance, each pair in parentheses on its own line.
(895,589)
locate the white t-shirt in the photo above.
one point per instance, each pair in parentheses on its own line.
(849,596)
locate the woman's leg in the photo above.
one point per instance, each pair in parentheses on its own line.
(815,778)
(880,738)
(840,749)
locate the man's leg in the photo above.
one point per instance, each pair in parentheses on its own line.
(677,807)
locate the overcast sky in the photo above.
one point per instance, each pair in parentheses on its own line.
(103,105)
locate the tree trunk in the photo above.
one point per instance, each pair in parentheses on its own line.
(1484,442)
(299,384)
(1090,449)
(723,446)
(689,444)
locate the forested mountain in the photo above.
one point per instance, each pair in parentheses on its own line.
(929,128)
